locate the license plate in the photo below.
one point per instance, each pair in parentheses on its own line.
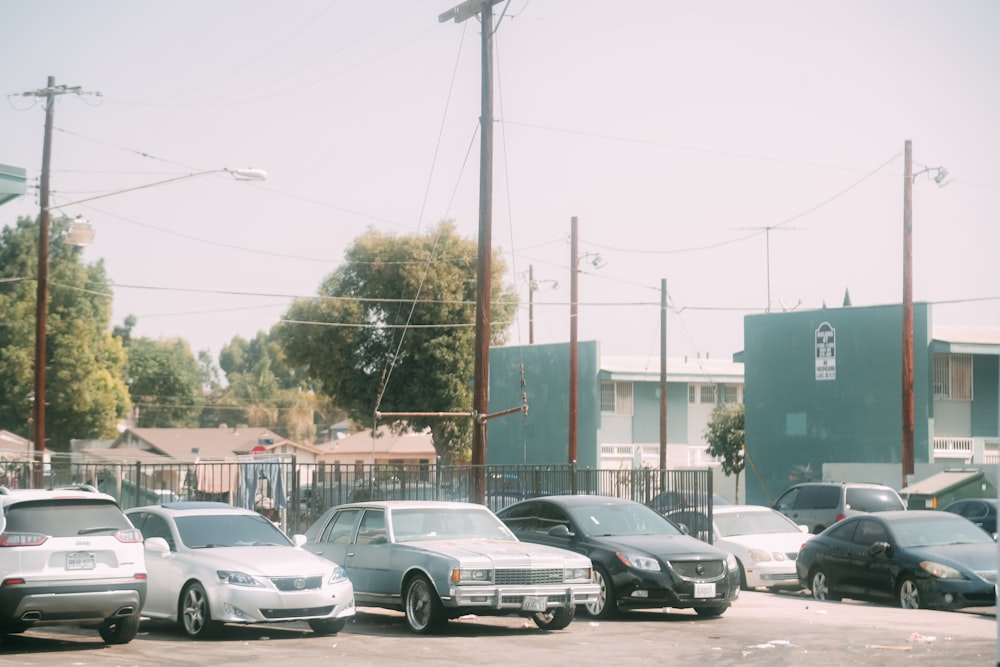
(534,603)
(704,590)
(80,560)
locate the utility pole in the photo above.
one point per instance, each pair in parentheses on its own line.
(531,304)
(767,251)
(41,298)
(663,379)
(480,380)
(908,403)
(573,343)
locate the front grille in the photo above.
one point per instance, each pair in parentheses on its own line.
(988,575)
(698,569)
(300,612)
(528,576)
(297,583)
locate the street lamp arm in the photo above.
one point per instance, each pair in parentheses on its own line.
(238,174)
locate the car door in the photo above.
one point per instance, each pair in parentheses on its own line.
(334,539)
(833,555)
(367,557)
(871,572)
(165,572)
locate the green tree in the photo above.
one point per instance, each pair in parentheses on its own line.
(85,393)
(725,435)
(398,319)
(166,382)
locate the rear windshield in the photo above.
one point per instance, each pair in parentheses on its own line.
(65,517)
(872,500)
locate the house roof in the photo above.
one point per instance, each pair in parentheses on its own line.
(203,443)
(943,482)
(387,443)
(966,340)
(684,369)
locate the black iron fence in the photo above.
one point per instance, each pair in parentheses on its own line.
(295,494)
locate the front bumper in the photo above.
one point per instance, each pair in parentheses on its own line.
(956,593)
(772,574)
(646,590)
(244,604)
(521,598)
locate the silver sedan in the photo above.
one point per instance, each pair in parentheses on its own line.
(440,560)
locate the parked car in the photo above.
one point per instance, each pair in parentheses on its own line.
(641,560)
(919,558)
(819,505)
(211,563)
(437,560)
(980,511)
(69,556)
(670,501)
(764,541)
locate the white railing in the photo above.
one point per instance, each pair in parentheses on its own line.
(954,448)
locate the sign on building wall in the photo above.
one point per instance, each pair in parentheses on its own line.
(826,352)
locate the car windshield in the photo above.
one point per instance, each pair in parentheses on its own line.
(937,531)
(614,519)
(731,524)
(203,531)
(424,523)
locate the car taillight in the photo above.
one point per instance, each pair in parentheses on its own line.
(14,581)
(22,539)
(840,516)
(129,535)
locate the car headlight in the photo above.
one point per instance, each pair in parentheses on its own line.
(471,576)
(639,561)
(731,563)
(575,573)
(236,578)
(940,570)
(339,574)
(761,555)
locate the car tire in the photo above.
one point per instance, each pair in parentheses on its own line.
(120,630)
(819,584)
(424,612)
(606,605)
(743,576)
(710,612)
(195,614)
(555,619)
(327,626)
(908,594)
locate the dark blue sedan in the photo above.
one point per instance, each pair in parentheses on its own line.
(917,559)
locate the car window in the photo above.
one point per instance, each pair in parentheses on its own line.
(521,518)
(550,516)
(340,527)
(869,532)
(156,526)
(372,528)
(973,510)
(864,499)
(65,517)
(818,497)
(787,500)
(621,518)
(842,531)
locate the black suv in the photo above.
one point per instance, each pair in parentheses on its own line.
(819,505)
(69,557)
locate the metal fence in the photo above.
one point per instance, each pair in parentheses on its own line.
(295,494)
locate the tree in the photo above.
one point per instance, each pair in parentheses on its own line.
(725,435)
(393,330)
(165,381)
(86,396)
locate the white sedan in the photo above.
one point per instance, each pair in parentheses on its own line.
(212,563)
(764,541)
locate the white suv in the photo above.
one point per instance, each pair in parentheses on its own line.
(69,556)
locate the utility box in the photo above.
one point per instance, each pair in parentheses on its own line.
(943,488)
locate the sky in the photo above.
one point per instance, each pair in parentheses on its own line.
(749,154)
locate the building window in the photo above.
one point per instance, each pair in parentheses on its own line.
(707,394)
(953,376)
(730,393)
(616,398)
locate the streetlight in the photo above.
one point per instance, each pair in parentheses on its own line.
(83,233)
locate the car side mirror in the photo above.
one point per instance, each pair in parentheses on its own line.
(298,539)
(804,529)
(560,530)
(158,545)
(879,548)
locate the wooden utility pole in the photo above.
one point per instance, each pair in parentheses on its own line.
(663,375)
(481,378)
(573,343)
(908,403)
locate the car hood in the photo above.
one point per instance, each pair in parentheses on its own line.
(977,557)
(665,547)
(784,542)
(498,551)
(267,561)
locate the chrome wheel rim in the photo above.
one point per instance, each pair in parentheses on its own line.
(418,604)
(195,610)
(820,588)
(596,607)
(909,596)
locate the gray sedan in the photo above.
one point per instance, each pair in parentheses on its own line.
(440,560)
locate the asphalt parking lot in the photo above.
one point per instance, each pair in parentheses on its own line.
(760,629)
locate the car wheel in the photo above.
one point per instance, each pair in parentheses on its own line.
(606,605)
(909,594)
(327,626)
(556,619)
(121,630)
(424,611)
(196,617)
(709,612)
(743,576)
(820,587)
